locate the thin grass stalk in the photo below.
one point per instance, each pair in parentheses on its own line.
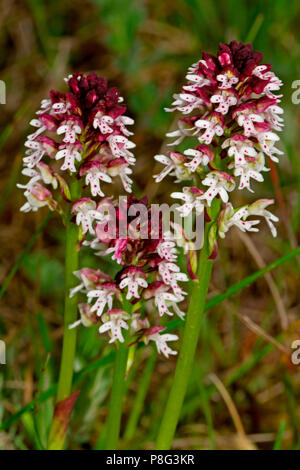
(113,425)
(140,398)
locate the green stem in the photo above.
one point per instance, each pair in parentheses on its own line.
(70,310)
(113,424)
(189,343)
(140,398)
(70,313)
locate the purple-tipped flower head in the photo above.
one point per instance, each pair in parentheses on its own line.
(228,104)
(79,134)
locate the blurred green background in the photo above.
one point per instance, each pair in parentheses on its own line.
(144,48)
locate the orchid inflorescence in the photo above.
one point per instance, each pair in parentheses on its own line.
(85,129)
(228,104)
(148,276)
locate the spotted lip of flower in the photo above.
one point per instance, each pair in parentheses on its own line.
(164,298)
(170,274)
(251,169)
(71,127)
(228,79)
(133,278)
(103,122)
(219,183)
(202,155)
(94,172)
(114,321)
(167,250)
(120,146)
(213,125)
(191,197)
(86,213)
(225,99)
(266,141)
(239,146)
(104,294)
(247,118)
(70,153)
(37,148)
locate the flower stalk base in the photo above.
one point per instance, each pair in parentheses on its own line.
(70,314)
(116,398)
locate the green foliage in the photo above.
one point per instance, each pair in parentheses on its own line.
(46,272)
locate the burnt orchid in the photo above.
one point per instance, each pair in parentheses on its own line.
(147,277)
(229,106)
(80,134)
(229,116)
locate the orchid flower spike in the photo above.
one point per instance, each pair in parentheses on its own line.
(229,104)
(81,134)
(147,278)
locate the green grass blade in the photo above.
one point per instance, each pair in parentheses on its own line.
(235,288)
(280,435)
(255,28)
(206,410)
(23,255)
(140,398)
